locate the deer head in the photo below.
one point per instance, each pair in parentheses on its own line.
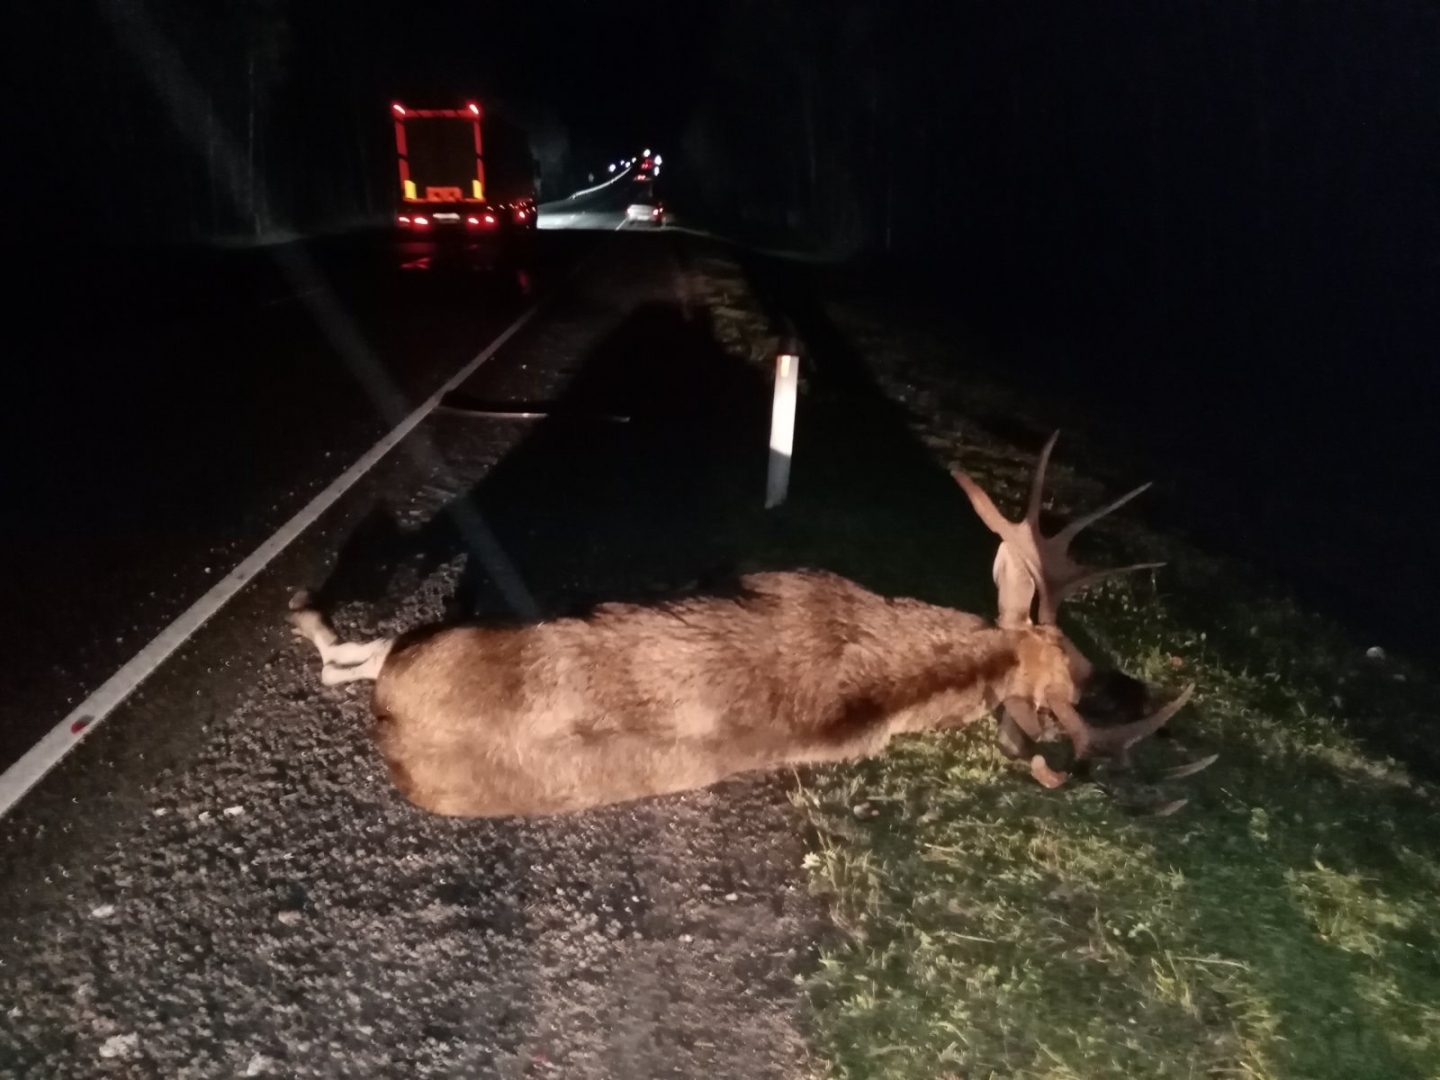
(1034,574)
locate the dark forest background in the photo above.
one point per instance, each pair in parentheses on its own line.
(1231,208)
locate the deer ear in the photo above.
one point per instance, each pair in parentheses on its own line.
(1016,588)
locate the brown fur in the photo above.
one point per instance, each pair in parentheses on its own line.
(635,700)
(638,700)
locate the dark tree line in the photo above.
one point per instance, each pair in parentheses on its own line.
(1140,169)
(1234,196)
(1253,151)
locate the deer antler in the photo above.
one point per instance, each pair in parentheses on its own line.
(1090,741)
(1028,560)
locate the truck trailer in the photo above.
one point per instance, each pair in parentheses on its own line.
(466,179)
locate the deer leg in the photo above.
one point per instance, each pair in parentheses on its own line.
(343,661)
(361,661)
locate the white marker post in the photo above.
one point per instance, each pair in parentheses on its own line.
(782,428)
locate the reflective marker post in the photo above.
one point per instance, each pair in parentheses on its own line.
(782,428)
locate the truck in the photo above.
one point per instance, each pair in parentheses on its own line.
(466,179)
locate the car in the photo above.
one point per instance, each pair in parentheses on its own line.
(648,213)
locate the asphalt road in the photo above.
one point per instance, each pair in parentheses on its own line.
(601,207)
(220,881)
(168,411)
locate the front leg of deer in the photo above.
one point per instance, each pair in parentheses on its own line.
(341,661)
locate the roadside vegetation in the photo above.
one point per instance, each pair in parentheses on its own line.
(1285,923)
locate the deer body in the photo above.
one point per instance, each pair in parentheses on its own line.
(798,667)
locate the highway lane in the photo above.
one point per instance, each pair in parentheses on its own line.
(221,881)
(170,409)
(600,208)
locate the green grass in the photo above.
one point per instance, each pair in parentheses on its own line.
(1286,923)
(1283,924)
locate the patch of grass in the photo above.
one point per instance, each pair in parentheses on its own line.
(1286,923)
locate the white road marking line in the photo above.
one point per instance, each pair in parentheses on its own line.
(19,778)
(586,191)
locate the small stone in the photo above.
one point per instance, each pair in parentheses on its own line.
(205,816)
(686,939)
(104,911)
(160,811)
(120,1046)
(258,1065)
(234,811)
(289,918)
(731,897)
(861,810)
(1375,652)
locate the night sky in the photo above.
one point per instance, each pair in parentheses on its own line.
(616,75)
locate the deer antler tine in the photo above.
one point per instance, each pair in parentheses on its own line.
(1167,711)
(1164,809)
(1051,601)
(1045,560)
(1037,485)
(1090,740)
(1190,768)
(1127,735)
(984,505)
(1070,531)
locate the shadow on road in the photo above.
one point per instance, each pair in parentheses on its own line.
(590,509)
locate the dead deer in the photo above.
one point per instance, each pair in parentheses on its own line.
(800,667)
